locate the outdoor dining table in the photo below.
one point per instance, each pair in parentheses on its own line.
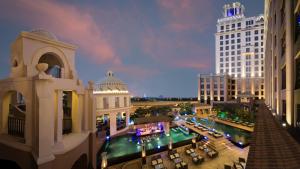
(159,166)
(177,160)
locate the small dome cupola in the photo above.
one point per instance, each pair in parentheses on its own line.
(111,84)
(44,33)
(109,73)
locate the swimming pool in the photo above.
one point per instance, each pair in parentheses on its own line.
(238,136)
(130,144)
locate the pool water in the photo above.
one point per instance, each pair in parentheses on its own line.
(130,144)
(236,135)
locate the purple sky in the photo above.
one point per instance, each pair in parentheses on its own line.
(156,46)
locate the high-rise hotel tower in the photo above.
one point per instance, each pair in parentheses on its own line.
(239,54)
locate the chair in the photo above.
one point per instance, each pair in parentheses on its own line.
(227,166)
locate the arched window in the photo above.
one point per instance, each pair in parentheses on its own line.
(54,64)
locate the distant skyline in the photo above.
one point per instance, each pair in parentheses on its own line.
(157,47)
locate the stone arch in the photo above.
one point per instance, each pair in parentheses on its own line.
(13,107)
(81,162)
(54,51)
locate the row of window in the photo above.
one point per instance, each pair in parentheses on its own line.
(248,33)
(117,102)
(238,58)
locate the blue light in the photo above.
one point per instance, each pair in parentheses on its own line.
(227,135)
(107,137)
(240,143)
(158,146)
(205,137)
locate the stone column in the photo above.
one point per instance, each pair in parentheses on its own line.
(289,63)
(113,123)
(127,118)
(59,119)
(44,118)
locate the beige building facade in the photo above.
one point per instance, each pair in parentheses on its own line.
(112,104)
(47,116)
(282,25)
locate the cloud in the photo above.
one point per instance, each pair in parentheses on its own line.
(176,51)
(185,15)
(66,21)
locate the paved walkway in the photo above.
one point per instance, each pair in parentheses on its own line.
(227,156)
(271,145)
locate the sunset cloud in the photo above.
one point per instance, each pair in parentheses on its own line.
(186,15)
(67,22)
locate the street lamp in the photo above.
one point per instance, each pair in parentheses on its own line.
(143,153)
(194,142)
(104,160)
(170,144)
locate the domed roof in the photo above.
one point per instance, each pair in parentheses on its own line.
(111,84)
(44,33)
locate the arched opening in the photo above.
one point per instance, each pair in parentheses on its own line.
(15,63)
(9,164)
(14,111)
(67,110)
(54,64)
(121,120)
(81,162)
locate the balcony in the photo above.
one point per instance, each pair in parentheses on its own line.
(16,120)
(16,126)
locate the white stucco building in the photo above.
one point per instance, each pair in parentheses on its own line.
(112,104)
(47,117)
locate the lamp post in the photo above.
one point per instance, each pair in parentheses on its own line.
(143,153)
(170,144)
(104,160)
(194,142)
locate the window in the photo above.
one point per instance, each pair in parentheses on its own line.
(256,44)
(238,34)
(256,38)
(256,50)
(227,42)
(233,26)
(232,47)
(232,53)
(232,41)
(283,78)
(222,28)
(221,54)
(232,58)
(239,24)
(262,31)
(221,59)
(221,42)
(238,41)
(221,48)
(239,64)
(221,37)
(247,49)
(227,47)
(256,32)
(248,39)
(226,36)
(105,103)
(232,35)
(117,102)
(125,101)
(248,33)
(238,46)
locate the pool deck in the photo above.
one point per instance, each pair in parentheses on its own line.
(226,156)
(250,129)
